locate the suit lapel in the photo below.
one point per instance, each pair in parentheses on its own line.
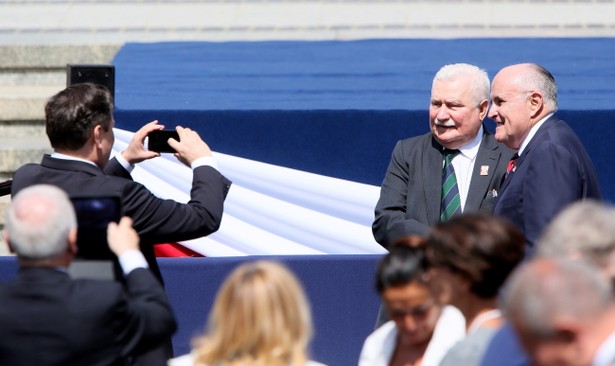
(485,166)
(535,140)
(506,182)
(432,157)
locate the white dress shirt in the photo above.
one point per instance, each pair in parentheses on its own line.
(463,164)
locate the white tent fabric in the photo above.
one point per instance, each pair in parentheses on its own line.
(271,210)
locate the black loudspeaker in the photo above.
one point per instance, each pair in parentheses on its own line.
(97,74)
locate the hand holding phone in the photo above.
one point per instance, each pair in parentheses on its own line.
(136,150)
(191,147)
(158,140)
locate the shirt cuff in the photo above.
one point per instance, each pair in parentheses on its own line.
(131,260)
(204,161)
(120,159)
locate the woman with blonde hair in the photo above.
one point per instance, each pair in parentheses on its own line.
(260,317)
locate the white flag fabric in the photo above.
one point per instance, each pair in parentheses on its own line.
(271,210)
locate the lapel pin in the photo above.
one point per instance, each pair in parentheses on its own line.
(494,193)
(484,170)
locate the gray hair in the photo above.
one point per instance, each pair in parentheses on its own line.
(481,85)
(584,228)
(38,221)
(547,289)
(540,79)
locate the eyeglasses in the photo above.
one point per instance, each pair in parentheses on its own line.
(416,312)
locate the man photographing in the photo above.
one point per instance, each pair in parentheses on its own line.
(79,123)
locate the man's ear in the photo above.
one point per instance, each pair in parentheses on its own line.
(483,109)
(72,241)
(536,103)
(5,237)
(97,135)
(570,335)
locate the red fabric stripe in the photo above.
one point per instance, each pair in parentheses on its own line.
(174,250)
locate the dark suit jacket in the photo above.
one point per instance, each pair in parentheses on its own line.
(553,171)
(410,194)
(47,318)
(155,219)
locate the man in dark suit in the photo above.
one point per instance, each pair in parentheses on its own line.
(79,124)
(552,168)
(48,318)
(411,193)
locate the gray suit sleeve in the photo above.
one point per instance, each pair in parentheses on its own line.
(392,219)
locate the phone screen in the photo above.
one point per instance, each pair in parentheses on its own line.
(94,213)
(157,141)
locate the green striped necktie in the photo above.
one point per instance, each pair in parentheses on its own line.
(451,203)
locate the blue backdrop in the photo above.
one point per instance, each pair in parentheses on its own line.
(337,108)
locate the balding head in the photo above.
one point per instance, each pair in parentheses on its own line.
(39,222)
(562,310)
(521,96)
(533,77)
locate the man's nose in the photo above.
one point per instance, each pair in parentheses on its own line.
(409,322)
(443,114)
(493,111)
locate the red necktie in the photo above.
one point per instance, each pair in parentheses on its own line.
(511,164)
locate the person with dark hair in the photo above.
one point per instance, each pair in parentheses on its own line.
(420,330)
(471,257)
(551,168)
(49,318)
(79,123)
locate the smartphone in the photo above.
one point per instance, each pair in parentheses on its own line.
(158,140)
(94,213)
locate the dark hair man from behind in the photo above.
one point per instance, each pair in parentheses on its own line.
(79,124)
(73,113)
(48,318)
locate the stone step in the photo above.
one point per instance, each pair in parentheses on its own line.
(41,57)
(16,152)
(15,130)
(26,102)
(30,74)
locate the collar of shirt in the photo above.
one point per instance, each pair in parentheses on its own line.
(531,134)
(57,155)
(605,356)
(470,149)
